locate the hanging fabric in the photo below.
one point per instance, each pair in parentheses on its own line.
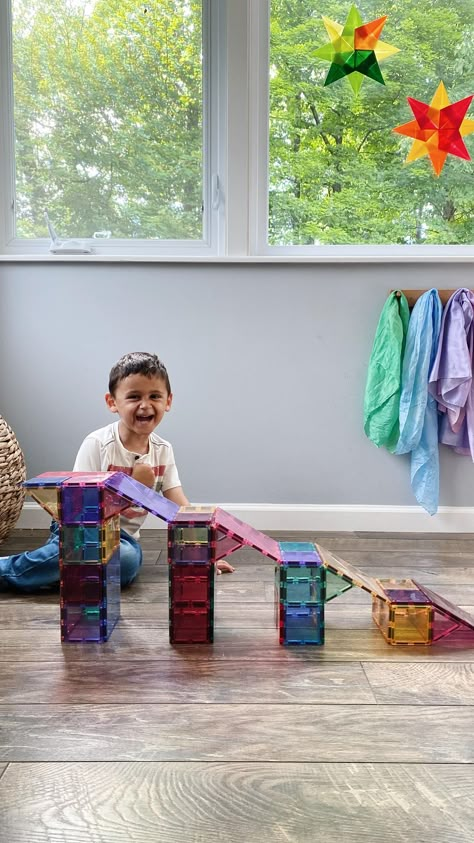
(418,418)
(382,392)
(451,381)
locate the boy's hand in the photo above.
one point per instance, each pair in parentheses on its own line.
(144,474)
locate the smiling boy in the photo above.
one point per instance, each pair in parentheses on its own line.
(140,394)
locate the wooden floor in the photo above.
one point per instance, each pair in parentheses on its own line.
(243,741)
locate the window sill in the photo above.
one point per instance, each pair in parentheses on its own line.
(385,255)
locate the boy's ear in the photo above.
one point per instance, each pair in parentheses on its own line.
(169,402)
(110,401)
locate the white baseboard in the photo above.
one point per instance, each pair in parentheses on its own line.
(316,518)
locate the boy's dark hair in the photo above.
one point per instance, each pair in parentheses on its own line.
(137,363)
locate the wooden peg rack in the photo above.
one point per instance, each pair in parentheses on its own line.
(414,295)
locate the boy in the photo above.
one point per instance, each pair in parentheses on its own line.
(140,394)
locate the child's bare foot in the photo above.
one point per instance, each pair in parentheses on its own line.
(224,567)
(144,474)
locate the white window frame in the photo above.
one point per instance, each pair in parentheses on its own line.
(214,84)
(236,155)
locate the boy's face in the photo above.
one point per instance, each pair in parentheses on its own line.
(141,402)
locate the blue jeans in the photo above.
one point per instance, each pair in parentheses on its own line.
(33,569)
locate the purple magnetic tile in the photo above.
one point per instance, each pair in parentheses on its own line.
(141,495)
(82,623)
(184,553)
(404,595)
(89,619)
(227,523)
(112,586)
(450,609)
(81,504)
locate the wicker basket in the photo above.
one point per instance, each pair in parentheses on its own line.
(12,474)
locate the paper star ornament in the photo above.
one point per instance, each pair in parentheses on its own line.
(355,50)
(438,128)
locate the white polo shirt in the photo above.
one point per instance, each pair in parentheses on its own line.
(103,450)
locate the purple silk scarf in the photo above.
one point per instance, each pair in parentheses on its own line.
(451,381)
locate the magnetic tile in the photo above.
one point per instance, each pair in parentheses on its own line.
(142,496)
(185,553)
(304,625)
(232,526)
(191,626)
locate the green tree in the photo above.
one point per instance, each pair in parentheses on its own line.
(337,171)
(108,117)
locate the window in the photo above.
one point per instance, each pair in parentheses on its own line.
(112,138)
(204,128)
(337,171)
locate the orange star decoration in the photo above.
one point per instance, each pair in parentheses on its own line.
(438,128)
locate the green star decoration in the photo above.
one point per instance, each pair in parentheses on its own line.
(355,50)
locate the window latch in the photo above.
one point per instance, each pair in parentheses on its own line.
(216,192)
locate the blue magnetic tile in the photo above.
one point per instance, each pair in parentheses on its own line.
(48,479)
(296,547)
(304,625)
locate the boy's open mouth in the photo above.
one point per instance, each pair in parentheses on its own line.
(144,418)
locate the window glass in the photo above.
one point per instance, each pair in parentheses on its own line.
(337,170)
(108,111)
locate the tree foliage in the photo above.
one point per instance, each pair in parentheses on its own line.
(337,171)
(108,117)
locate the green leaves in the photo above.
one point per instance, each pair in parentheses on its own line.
(337,171)
(108,117)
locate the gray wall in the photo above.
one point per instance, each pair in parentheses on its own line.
(267,363)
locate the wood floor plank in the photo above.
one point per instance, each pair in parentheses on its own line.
(425,684)
(323,733)
(136,740)
(226,590)
(179,682)
(412,543)
(128,802)
(414,559)
(132,643)
(40,613)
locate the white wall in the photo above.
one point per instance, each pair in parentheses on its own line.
(267,363)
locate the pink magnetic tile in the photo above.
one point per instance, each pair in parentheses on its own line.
(191,626)
(227,523)
(191,583)
(454,612)
(225,545)
(89,478)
